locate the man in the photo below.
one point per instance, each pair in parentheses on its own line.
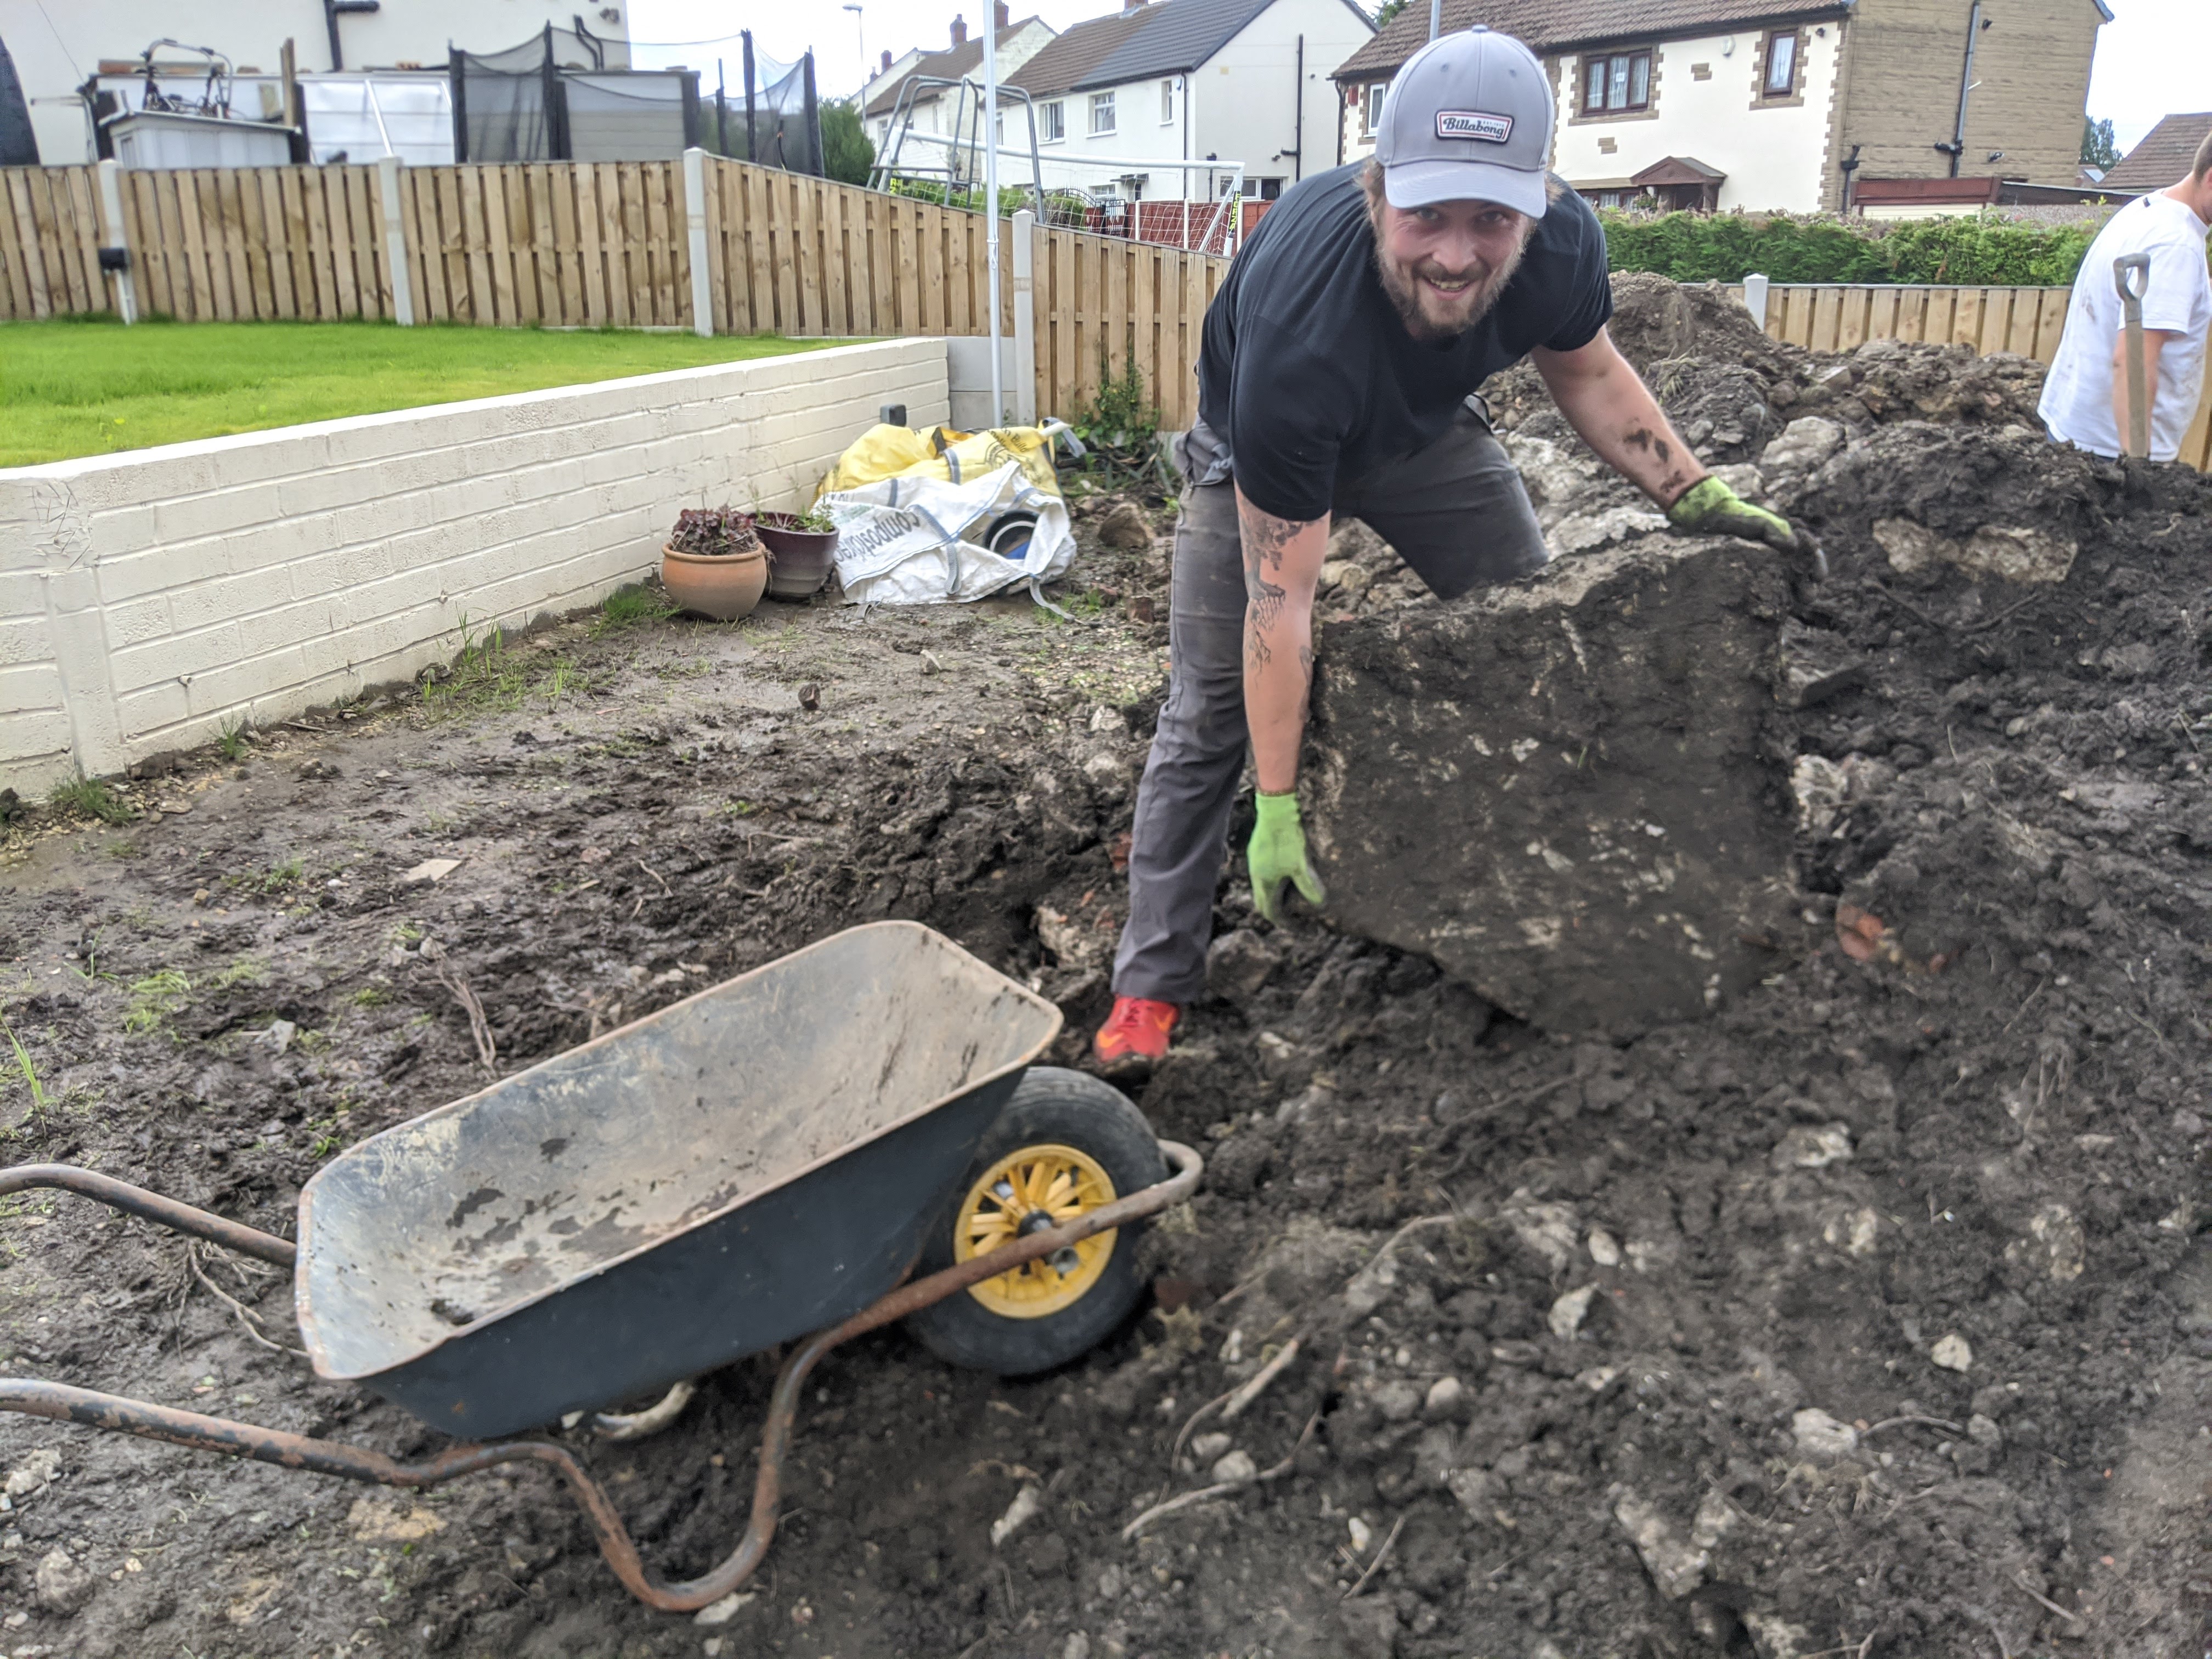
(1335,378)
(2085,396)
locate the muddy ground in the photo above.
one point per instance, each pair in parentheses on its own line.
(1869,1316)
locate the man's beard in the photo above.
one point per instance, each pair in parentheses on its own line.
(1425,312)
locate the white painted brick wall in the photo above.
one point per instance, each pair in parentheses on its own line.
(148,599)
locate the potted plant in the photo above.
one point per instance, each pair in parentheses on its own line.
(713,562)
(802,548)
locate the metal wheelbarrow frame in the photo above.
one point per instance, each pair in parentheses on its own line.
(455,1375)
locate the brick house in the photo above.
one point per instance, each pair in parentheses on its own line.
(1767,104)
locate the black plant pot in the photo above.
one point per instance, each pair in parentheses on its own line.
(798,561)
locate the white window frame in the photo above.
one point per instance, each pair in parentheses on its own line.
(1371,106)
(1052,125)
(1167,102)
(1102,103)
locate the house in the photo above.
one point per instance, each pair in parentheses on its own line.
(1797,105)
(1135,104)
(2163,157)
(937,109)
(64,44)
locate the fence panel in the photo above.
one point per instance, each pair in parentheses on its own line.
(587,243)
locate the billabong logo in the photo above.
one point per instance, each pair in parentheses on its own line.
(1470,123)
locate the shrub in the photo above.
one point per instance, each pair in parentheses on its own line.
(1692,247)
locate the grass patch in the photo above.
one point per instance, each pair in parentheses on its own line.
(629,606)
(154,1001)
(246,970)
(489,676)
(231,746)
(371,996)
(275,880)
(92,799)
(22,1057)
(88,388)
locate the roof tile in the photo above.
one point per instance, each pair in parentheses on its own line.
(2163,155)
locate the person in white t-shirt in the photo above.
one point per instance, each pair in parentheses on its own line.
(2085,396)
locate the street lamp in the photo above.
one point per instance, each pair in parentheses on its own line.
(861,29)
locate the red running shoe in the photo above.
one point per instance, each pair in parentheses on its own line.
(1134,1037)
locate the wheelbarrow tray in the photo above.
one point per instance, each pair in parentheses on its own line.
(741,1168)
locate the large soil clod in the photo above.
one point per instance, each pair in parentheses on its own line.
(1572,793)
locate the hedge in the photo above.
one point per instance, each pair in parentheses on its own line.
(1695,248)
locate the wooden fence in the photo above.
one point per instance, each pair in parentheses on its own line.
(1841,317)
(576,244)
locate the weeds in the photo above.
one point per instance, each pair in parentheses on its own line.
(629,607)
(231,745)
(487,675)
(22,1057)
(371,996)
(270,882)
(246,970)
(155,999)
(93,799)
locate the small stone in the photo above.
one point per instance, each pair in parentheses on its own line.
(1444,1398)
(1398,1400)
(1235,1466)
(37,1470)
(430,870)
(1108,774)
(1604,1249)
(61,1585)
(1984,1431)
(1078,1646)
(1951,1353)
(721,1612)
(1808,1146)
(1362,1533)
(1676,1566)
(1208,1448)
(1024,1508)
(1238,964)
(1818,1435)
(1124,525)
(1570,1310)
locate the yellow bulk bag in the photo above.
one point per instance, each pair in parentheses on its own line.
(899,452)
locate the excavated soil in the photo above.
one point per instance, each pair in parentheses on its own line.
(1869,1314)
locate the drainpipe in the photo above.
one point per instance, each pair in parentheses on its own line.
(1436,18)
(1299,117)
(1957,147)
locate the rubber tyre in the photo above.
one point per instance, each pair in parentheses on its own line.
(1052,1104)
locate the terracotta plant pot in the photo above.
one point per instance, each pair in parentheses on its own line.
(723,586)
(798,561)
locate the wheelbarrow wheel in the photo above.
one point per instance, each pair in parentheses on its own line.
(1066,1143)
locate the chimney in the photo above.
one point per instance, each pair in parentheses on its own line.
(959,32)
(886,69)
(999,8)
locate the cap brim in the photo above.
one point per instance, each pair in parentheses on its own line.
(1425,183)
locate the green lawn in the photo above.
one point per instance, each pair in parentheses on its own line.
(91,387)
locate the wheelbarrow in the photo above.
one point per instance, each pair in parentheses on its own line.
(767,1161)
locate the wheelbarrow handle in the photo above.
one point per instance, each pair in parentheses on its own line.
(150,1206)
(114,1412)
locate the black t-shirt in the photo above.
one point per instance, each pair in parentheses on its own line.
(1308,372)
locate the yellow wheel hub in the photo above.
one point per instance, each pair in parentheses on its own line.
(1024,1193)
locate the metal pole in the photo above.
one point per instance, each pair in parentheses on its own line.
(110,208)
(1436,18)
(991,199)
(388,169)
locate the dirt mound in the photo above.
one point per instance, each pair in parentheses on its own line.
(1868,1313)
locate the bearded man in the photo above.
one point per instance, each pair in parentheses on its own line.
(1337,378)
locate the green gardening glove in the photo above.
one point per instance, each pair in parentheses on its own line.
(1709,508)
(1278,854)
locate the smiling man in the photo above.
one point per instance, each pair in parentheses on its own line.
(1336,378)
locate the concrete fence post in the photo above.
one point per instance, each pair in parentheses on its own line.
(1025,378)
(115,248)
(388,170)
(1754,299)
(694,212)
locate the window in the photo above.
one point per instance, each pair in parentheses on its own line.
(1780,80)
(1052,121)
(1268,190)
(1102,113)
(1167,102)
(1371,108)
(1617,84)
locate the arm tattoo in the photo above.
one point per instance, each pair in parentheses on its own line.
(1265,537)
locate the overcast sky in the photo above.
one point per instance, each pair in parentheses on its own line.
(2155,59)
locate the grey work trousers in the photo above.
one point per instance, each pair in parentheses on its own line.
(1455,512)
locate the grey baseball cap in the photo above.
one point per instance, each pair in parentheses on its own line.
(1468,118)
